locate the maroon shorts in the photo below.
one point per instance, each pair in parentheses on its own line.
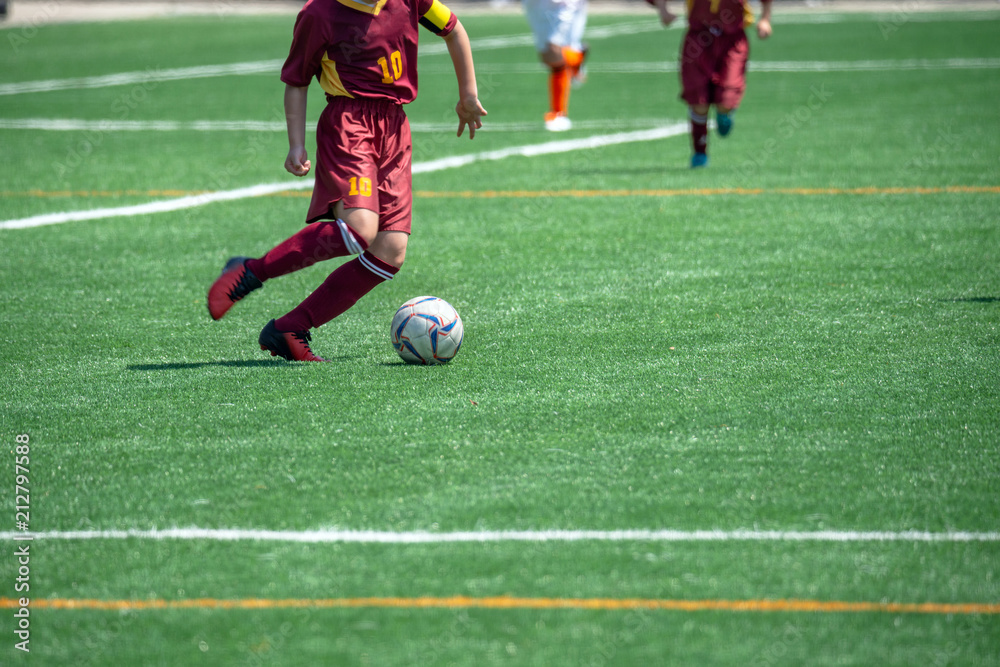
(714,67)
(363,156)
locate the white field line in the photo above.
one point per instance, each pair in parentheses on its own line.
(107,125)
(433,48)
(789,66)
(592,34)
(274,66)
(891,18)
(193,201)
(83,125)
(148,76)
(421,537)
(176,204)
(875,65)
(552,147)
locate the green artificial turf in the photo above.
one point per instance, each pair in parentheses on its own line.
(721,349)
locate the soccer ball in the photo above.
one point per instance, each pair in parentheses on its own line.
(426,330)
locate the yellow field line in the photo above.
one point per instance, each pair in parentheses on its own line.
(526,194)
(492,194)
(506,602)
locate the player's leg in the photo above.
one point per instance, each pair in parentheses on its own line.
(385,236)
(565,56)
(732,82)
(390,248)
(557,117)
(345,175)
(548,24)
(288,336)
(575,53)
(316,242)
(576,60)
(698,116)
(696,86)
(724,120)
(346,284)
(327,235)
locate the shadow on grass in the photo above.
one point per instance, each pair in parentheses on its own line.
(402,365)
(236,363)
(975,299)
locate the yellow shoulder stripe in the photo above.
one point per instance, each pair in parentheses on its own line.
(438,14)
(372,8)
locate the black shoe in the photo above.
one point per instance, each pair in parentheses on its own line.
(293,345)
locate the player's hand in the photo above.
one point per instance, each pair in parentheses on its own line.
(763,28)
(470,112)
(666,16)
(297,162)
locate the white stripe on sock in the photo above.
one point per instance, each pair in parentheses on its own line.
(353,247)
(378,271)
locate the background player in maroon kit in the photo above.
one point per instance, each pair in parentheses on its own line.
(713,62)
(364,56)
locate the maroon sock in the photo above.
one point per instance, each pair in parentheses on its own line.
(339,291)
(699,132)
(313,243)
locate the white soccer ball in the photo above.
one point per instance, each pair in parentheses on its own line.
(427,330)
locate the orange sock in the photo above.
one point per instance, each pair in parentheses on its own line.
(573,59)
(559,90)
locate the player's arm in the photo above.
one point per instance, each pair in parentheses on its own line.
(469,110)
(310,38)
(666,16)
(764,23)
(297,161)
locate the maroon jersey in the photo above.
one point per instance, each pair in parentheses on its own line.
(363,50)
(719,16)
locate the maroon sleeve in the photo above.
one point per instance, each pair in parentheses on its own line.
(309,44)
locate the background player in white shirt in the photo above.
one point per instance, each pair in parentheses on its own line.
(558,27)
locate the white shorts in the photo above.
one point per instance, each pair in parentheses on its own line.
(559,22)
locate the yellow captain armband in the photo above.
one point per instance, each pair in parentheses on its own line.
(437,18)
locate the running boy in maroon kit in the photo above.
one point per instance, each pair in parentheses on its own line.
(713,62)
(365,58)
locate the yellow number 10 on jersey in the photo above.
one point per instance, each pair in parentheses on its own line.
(397,67)
(361,186)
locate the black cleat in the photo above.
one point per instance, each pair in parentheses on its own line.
(292,345)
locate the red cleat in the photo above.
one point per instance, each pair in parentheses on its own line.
(292,345)
(235,283)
